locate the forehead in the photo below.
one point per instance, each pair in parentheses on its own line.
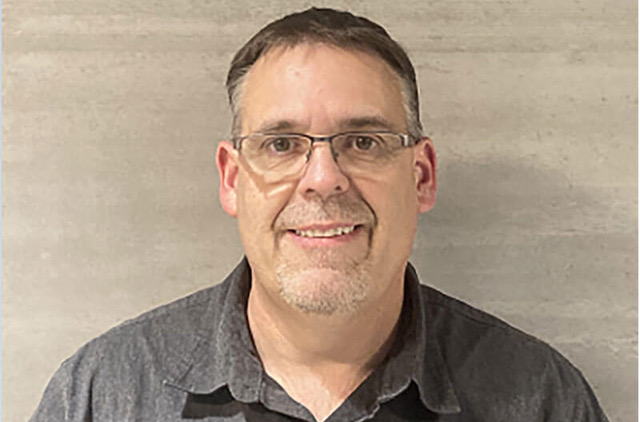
(315,87)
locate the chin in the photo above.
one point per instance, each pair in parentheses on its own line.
(323,291)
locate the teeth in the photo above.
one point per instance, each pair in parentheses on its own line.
(338,231)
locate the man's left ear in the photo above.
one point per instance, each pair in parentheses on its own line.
(425,173)
(226,159)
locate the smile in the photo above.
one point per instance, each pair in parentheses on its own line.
(332,232)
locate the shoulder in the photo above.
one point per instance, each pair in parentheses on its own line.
(448,315)
(130,360)
(464,332)
(173,321)
(493,364)
(172,327)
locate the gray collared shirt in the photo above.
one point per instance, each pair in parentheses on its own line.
(194,359)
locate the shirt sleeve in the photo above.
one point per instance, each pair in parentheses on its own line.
(586,407)
(68,395)
(569,396)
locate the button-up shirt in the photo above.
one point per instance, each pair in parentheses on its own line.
(195,359)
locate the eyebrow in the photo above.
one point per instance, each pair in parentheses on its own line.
(276,126)
(349,123)
(366,122)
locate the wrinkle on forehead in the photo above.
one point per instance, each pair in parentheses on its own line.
(317,86)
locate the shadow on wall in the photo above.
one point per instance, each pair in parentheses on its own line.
(514,231)
(500,196)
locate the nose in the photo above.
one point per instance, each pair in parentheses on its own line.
(321,175)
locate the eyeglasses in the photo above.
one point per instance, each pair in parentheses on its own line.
(283,155)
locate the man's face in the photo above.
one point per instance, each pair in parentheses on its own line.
(326,241)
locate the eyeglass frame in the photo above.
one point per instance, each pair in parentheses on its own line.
(407,140)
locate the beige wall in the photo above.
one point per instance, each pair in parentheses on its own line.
(112,110)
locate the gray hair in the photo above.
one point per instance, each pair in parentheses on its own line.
(326,26)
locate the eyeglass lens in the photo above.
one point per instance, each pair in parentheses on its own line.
(281,156)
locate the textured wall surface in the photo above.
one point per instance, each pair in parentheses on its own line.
(111,114)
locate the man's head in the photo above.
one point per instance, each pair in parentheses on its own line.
(330,27)
(325,230)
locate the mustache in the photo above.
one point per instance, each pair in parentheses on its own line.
(334,208)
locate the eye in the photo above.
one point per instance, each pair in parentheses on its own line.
(364,142)
(280,144)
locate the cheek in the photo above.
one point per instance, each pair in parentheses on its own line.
(259,203)
(404,215)
(395,204)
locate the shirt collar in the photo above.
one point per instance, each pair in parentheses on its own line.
(431,374)
(225,355)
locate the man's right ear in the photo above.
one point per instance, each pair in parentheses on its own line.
(227,161)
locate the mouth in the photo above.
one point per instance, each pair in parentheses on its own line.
(325,233)
(314,236)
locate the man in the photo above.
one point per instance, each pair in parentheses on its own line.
(325,319)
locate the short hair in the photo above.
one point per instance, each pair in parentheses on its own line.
(332,27)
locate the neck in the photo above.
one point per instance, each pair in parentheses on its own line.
(318,359)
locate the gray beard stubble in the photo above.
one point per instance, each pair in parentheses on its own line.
(343,284)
